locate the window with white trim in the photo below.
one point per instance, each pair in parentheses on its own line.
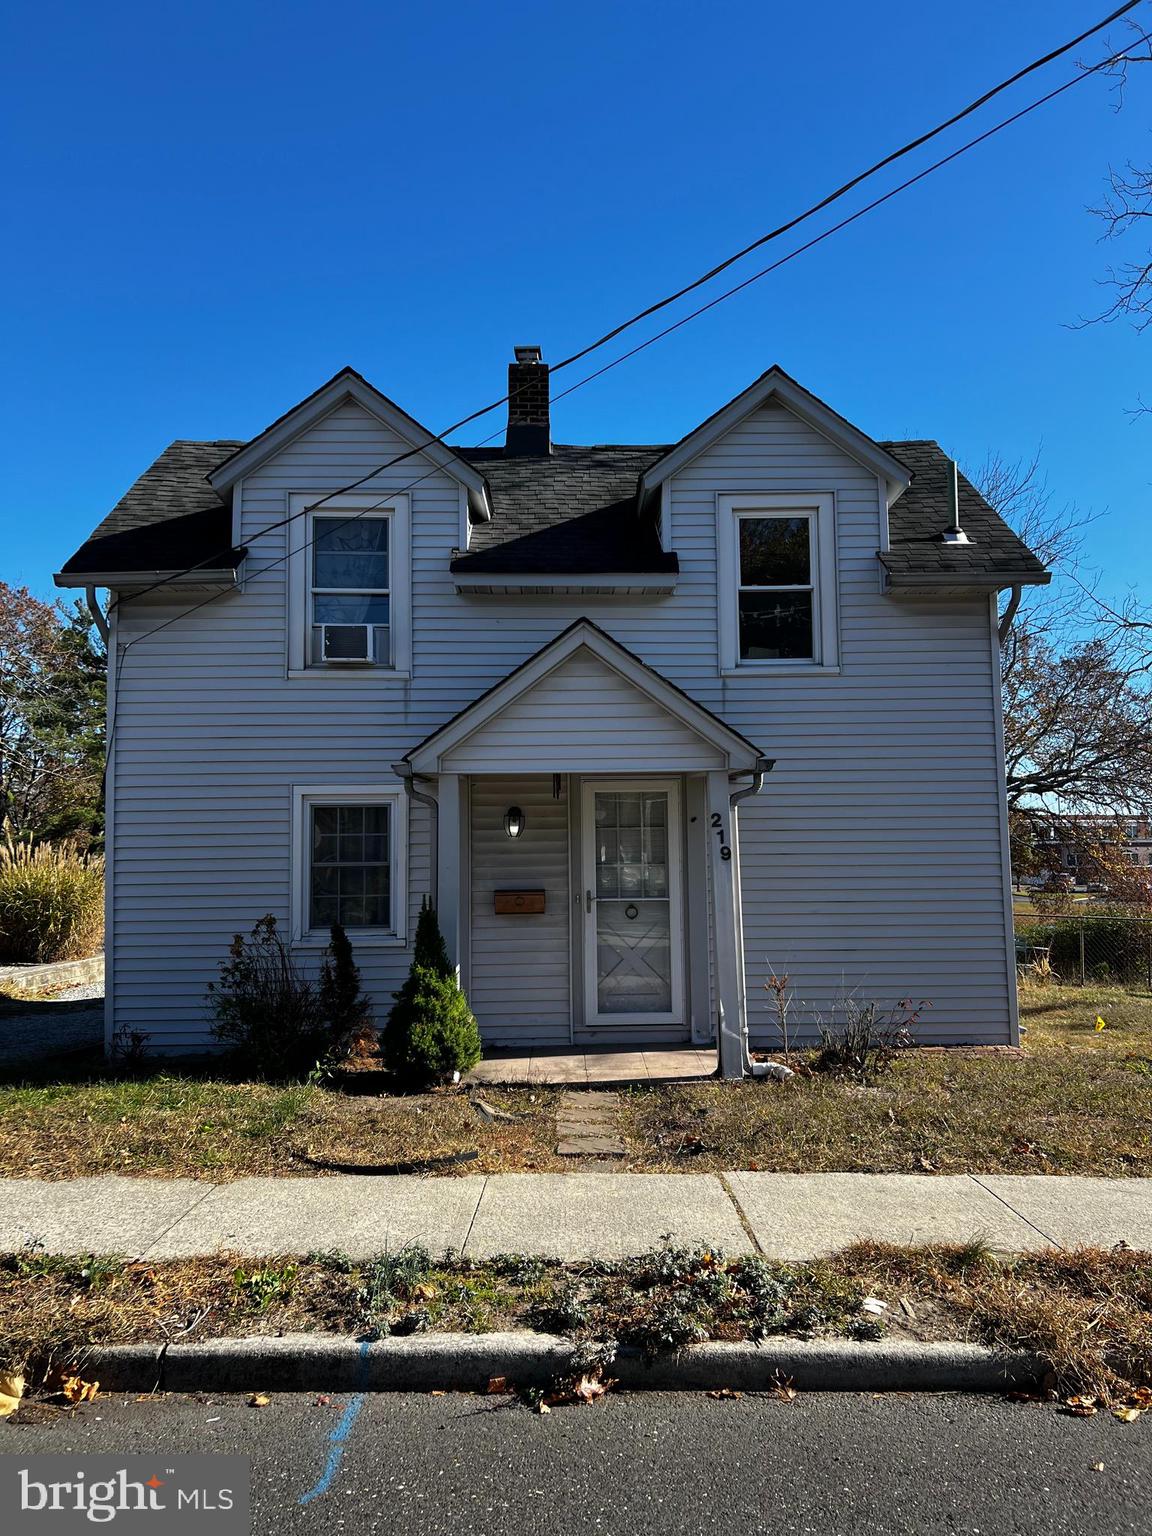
(777,573)
(351,859)
(776,588)
(349,584)
(350,590)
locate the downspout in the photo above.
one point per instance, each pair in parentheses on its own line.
(404,771)
(99,617)
(1010,612)
(764,766)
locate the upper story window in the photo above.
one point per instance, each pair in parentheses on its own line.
(349,585)
(350,591)
(777,572)
(775,591)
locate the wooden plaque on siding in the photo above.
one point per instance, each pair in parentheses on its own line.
(516,903)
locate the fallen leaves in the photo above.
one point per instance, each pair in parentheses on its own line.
(1081,1406)
(11,1391)
(77,1390)
(591,1386)
(726,1392)
(498,1386)
(259,1400)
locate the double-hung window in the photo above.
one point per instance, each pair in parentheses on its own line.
(350,590)
(351,859)
(776,587)
(777,600)
(349,584)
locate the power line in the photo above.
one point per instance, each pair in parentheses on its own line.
(121,651)
(659,335)
(660,304)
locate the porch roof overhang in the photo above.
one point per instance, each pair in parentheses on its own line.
(695,739)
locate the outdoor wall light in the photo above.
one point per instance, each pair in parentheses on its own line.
(513,821)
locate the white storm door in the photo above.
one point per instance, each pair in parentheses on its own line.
(633,903)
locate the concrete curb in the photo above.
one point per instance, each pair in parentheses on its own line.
(466,1362)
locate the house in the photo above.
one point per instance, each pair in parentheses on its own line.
(646,721)
(1062,845)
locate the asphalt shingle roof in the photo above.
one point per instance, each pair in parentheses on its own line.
(169,519)
(571,512)
(917,519)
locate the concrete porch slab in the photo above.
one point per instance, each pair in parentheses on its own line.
(605,1215)
(362,1215)
(606,1068)
(805,1216)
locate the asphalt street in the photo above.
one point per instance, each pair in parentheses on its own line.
(646,1463)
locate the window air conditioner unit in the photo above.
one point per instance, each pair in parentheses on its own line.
(346,643)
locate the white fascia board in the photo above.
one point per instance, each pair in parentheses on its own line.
(775,385)
(503,581)
(346,386)
(742,755)
(224,576)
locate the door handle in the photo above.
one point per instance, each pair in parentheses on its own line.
(588,900)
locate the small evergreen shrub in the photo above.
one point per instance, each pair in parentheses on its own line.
(431,1034)
(345,1007)
(275,1020)
(51,903)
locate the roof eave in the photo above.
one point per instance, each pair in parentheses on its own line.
(216,576)
(654,582)
(949,581)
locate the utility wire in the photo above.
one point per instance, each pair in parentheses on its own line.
(660,304)
(1015,117)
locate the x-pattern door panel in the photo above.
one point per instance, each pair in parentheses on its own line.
(633,902)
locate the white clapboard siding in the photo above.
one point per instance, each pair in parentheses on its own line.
(583,718)
(519,979)
(870,861)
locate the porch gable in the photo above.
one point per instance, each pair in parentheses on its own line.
(584,704)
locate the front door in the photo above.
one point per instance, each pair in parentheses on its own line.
(633,905)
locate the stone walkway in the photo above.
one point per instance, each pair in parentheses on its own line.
(570,1216)
(588,1125)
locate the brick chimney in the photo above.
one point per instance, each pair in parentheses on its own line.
(529,429)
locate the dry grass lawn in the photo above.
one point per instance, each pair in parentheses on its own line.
(1077,1101)
(211,1128)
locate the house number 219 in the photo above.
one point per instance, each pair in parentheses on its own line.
(718,828)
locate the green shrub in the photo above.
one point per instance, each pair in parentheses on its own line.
(276,1021)
(51,903)
(345,1007)
(1115,947)
(431,1034)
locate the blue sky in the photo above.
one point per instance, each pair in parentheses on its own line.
(215,206)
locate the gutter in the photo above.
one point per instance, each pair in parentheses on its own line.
(99,617)
(403,771)
(1017,592)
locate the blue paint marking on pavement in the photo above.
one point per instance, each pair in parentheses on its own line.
(339,1436)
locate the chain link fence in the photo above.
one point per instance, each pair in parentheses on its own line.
(1085,949)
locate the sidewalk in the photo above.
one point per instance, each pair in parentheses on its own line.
(569,1216)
